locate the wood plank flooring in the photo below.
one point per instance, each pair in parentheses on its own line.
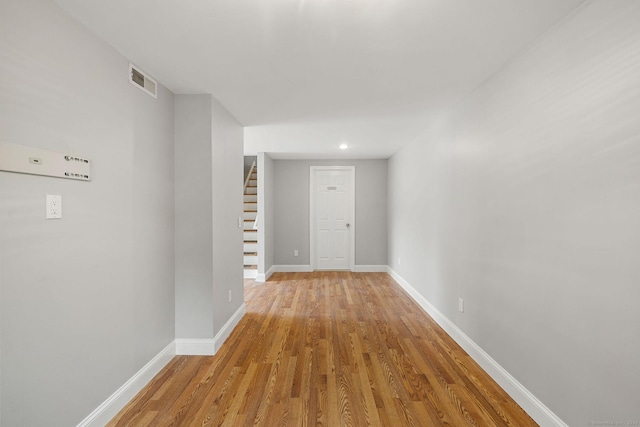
(327,349)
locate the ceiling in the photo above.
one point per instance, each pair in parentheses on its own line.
(304,76)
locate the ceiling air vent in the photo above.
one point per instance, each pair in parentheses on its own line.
(142,81)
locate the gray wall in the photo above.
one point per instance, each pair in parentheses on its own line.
(193,213)
(266,214)
(208,185)
(528,202)
(227,139)
(291,216)
(86,300)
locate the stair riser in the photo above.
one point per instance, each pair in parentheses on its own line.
(251,207)
(251,247)
(250,260)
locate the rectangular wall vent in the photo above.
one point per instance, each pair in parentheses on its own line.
(139,79)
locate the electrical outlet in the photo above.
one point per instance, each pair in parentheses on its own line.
(54,207)
(295,252)
(460,305)
(230,296)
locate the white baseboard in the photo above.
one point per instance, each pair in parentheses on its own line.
(307,269)
(370,268)
(298,268)
(209,346)
(261,278)
(118,400)
(226,330)
(249,274)
(200,347)
(195,347)
(531,404)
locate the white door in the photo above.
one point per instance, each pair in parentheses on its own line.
(332,214)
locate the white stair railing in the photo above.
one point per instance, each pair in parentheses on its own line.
(246,181)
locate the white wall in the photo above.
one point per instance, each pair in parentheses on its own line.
(528,196)
(87,300)
(291,216)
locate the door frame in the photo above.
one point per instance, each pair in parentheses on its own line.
(352,212)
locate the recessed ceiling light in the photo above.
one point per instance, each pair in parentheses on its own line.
(343,146)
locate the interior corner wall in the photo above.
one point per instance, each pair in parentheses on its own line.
(292,203)
(525,201)
(86,300)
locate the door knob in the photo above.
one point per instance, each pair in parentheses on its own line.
(348,225)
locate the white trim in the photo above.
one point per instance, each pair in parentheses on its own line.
(352,211)
(531,404)
(228,327)
(114,403)
(298,268)
(307,268)
(209,346)
(195,347)
(261,278)
(201,347)
(370,269)
(261,216)
(249,273)
(246,182)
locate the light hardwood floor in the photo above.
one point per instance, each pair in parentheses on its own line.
(327,349)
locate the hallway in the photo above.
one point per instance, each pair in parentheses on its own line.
(327,348)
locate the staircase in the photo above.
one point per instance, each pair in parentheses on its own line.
(250,224)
